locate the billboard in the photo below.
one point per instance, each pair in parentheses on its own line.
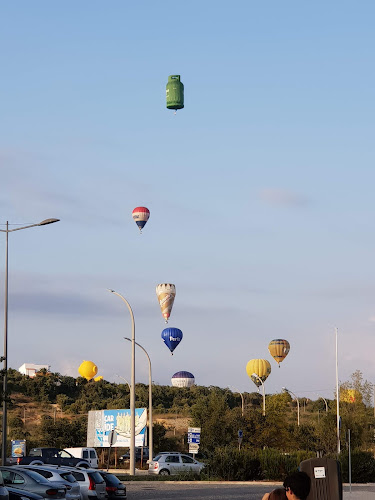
(102,422)
(19,448)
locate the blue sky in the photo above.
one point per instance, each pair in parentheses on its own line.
(260,190)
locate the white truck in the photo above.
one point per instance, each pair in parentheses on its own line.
(88,454)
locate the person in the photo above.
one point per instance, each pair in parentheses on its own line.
(278,494)
(297,486)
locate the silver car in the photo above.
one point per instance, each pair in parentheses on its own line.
(32,481)
(73,489)
(92,484)
(174,463)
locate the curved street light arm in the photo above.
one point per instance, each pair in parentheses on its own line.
(295,397)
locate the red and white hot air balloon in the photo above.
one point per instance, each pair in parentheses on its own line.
(141,216)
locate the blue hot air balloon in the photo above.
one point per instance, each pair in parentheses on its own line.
(171,337)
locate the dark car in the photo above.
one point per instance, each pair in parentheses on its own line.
(4,494)
(114,487)
(141,454)
(31,481)
(16,494)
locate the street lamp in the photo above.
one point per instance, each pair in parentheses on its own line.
(5,357)
(242,399)
(132,389)
(119,376)
(150,436)
(254,375)
(325,401)
(295,397)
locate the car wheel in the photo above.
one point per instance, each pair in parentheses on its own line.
(36,462)
(83,465)
(164,472)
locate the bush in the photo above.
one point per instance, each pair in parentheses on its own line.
(247,465)
(233,465)
(363,467)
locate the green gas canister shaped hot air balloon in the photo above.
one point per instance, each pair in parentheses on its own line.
(175,92)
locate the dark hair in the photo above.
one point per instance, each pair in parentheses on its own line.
(299,483)
(278,494)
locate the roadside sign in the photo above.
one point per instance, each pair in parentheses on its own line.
(193,446)
(194,435)
(112,438)
(19,448)
(240,437)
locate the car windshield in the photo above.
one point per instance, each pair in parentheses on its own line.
(111,480)
(68,476)
(96,477)
(156,458)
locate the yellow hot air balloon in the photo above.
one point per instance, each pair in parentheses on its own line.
(88,370)
(279,349)
(350,396)
(98,379)
(166,292)
(260,367)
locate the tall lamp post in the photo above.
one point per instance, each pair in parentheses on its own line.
(325,401)
(242,400)
(295,397)
(132,389)
(5,357)
(150,435)
(254,375)
(337,394)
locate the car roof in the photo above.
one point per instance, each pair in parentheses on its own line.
(43,467)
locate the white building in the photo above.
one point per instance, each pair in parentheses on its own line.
(30,369)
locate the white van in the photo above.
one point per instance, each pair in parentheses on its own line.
(88,454)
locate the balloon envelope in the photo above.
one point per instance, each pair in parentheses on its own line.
(88,370)
(183,379)
(166,292)
(279,349)
(260,367)
(141,216)
(171,337)
(350,396)
(98,379)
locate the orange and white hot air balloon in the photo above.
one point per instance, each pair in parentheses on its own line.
(88,370)
(166,292)
(279,349)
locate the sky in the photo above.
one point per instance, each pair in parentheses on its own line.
(260,189)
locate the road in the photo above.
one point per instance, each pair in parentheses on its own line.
(143,490)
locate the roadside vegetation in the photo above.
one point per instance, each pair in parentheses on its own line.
(51,410)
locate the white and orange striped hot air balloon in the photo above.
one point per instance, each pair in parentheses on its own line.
(166,292)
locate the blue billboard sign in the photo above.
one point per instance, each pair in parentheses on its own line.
(102,422)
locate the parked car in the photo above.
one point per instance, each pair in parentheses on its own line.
(51,456)
(55,473)
(16,494)
(32,481)
(4,494)
(92,484)
(174,463)
(141,453)
(114,487)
